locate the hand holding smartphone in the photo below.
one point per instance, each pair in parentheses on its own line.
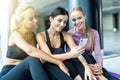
(83,41)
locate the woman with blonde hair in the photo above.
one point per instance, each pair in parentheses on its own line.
(88,37)
(22,59)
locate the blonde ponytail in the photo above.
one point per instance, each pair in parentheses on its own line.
(90,39)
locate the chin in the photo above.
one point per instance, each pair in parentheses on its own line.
(76,27)
(79,27)
(59,30)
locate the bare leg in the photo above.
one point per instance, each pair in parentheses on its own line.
(101,78)
(78,77)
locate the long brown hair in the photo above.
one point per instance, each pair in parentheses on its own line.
(88,30)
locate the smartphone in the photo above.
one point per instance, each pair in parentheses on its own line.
(83,41)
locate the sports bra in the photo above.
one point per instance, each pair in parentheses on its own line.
(56,50)
(15,52)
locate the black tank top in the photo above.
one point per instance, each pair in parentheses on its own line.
(56,50)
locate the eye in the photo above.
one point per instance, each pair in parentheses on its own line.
(59,20)
(80,17)
(30,18)
(73,20)
(65,22)
(35,16)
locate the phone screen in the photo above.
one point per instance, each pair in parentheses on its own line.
(83,41)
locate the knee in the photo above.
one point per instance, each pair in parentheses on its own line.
(78,77)
(33,60)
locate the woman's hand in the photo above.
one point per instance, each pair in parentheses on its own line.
(82,49)
(76,51)
(63,68)
(88,73)
(96,68)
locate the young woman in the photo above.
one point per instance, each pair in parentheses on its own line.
(54,40)
(22,60)
(82,32)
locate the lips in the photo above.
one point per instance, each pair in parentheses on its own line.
(60,28)
(78,25)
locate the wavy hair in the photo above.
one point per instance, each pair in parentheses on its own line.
(16,20)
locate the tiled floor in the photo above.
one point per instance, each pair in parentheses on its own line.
(111,43)
(112,64)
(112,51)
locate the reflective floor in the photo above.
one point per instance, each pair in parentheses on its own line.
(111,43)
(112,64)
(111,55)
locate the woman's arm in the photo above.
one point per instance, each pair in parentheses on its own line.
(31,50)
(63,56)
(97,49)
(88,73)
(70,42)
(34,52)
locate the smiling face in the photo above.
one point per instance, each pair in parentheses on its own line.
(78,19)
(59,22)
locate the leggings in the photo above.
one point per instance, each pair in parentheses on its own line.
(57,74)
(90,60)
(29,69)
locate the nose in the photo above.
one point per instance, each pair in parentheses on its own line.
(77,21)
(62,23)
(35,20)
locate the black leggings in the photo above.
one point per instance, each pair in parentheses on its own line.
(57,74)
(90,60)
(29,69)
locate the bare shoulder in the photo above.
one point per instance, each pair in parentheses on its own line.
(14,36)
(16,33)
(66,35)
(40,35)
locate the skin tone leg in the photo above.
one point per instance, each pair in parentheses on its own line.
(101,78)
(78,77)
